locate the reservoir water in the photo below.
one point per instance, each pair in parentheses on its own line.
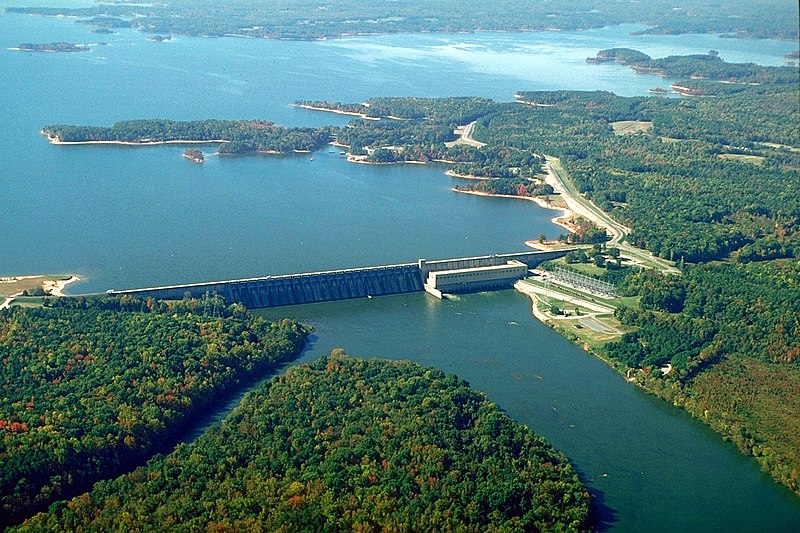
(124,217)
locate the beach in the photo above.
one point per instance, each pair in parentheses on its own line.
(55,140)
(55,287)
(560,220)
(13,287)
(337,111)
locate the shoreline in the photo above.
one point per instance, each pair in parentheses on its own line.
(51,285)
(336,111)
(56,140)
(550,322)
(454,174)
(56,287)
(541,202)
(362,160)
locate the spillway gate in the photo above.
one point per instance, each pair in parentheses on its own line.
(313,287)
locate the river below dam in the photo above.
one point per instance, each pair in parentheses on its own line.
(125,217)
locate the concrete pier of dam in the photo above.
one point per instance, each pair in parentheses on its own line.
(313,287)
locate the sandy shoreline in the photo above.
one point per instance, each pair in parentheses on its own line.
(337,111)
(560,220)
(56,287)
(56,140)
(17,286)
(362,160)
(454,174)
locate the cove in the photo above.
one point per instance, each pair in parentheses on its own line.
(123,217)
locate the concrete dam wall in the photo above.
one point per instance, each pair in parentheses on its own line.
(529,258)
(312,287)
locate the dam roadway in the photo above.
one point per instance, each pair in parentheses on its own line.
(314,287)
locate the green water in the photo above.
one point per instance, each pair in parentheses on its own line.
(123,217)
(649,466)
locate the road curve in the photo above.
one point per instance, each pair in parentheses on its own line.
(580,205)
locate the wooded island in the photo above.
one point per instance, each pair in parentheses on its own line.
(709,183)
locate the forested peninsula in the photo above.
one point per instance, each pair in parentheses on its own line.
(346,444)
(233,136)
(312,19)
(92,386)
(704,71)
(709,183)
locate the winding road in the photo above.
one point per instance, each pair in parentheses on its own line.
(557,177)
(579,204)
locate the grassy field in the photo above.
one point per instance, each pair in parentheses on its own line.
(590,269)
(11,285)
(28,301)
(585,331)
(628,127)
(754,159)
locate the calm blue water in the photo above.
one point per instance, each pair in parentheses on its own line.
(126,217)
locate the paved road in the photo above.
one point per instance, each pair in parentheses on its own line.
(557,177)
(465,136)
(579,204)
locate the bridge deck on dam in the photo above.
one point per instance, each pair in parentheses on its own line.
(312,287)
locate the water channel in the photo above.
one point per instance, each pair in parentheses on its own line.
(124,217)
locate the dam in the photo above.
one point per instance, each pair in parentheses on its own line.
(327,286)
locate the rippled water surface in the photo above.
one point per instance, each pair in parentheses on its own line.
(124,217)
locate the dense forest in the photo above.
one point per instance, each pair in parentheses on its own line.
(708,182)
(709,66)
(90,385)
(731,332)
(346,444)
(313,19)
(234,136)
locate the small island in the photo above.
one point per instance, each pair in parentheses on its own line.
(53,47)
(193,154)
(697,68)
(235,137)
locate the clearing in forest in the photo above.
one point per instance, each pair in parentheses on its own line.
(627,127)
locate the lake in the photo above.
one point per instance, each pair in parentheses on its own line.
(123,217)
